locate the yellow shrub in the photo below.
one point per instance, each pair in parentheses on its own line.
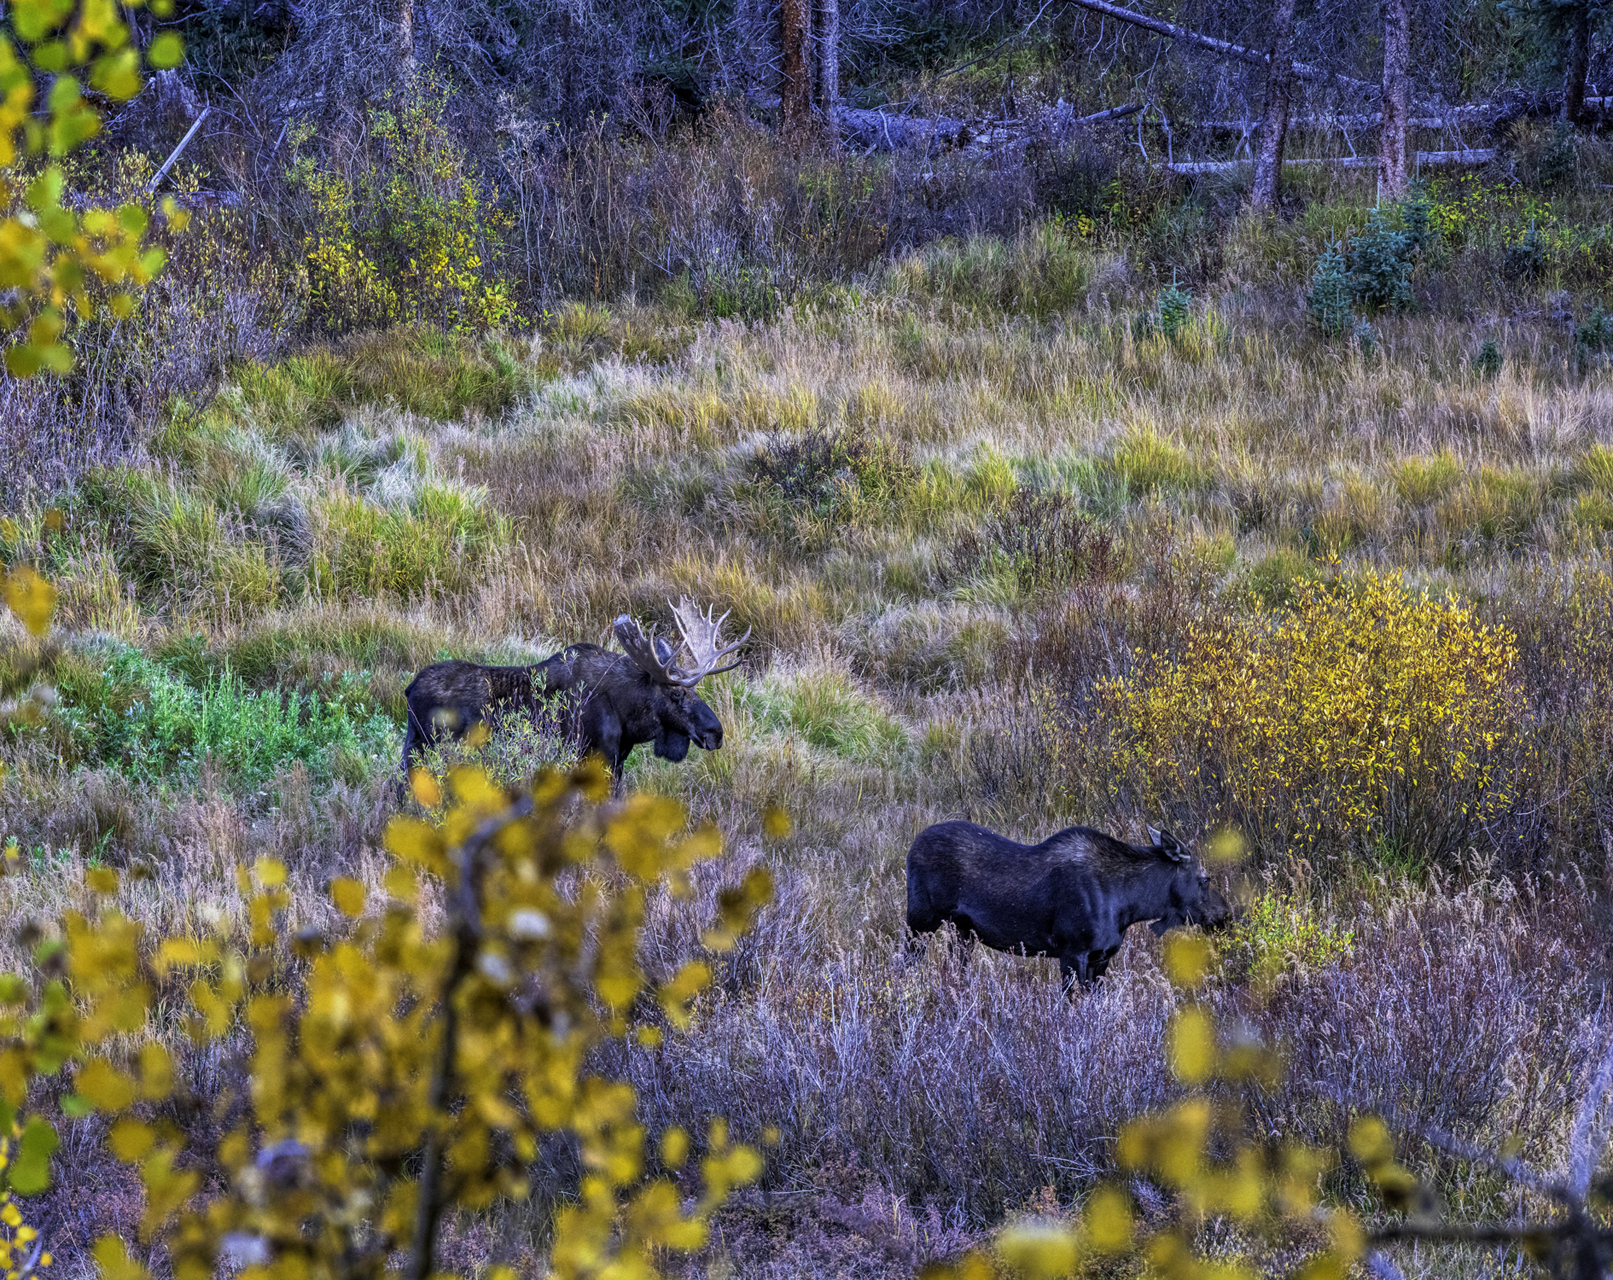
(1367,716)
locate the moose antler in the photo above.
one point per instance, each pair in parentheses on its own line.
(703,635)
(652,658)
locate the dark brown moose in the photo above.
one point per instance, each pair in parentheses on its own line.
(1073,896)
(611,702)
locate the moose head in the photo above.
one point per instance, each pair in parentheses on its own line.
(679,714)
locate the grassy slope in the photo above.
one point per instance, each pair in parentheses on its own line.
(240,617)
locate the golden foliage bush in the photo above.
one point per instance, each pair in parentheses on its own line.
(1367,716)
(403,232)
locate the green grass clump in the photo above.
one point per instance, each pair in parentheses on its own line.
(1144,462)
(1420,481)
(1041,272)
(431,374)
(1279,933)
(123,708)
(824,707)
(444,540)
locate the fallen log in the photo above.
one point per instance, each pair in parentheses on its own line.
(1487,114)
(1480,155)
(1225,48)
(886,131)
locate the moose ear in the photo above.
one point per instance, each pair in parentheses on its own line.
(1168,844)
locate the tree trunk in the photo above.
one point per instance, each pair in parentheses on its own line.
(795,86)
(403,36)
(1396,92)
(1274,124)
(1578,62)
(826,27)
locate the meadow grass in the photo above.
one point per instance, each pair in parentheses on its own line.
(1002,551)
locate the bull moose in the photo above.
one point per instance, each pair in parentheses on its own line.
(1073,896)
(611,702)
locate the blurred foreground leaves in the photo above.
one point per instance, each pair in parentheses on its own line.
(399,1065)
(57,261)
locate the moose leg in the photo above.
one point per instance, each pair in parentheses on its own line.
(414,742)
(1077,969)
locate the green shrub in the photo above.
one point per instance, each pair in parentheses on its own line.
(1175,305)
(403,234)
(1279,933)
(1525,258)
(839,473)
(120,707)
(1380,265)
(1487,360)
(1039,541)
(1330,301)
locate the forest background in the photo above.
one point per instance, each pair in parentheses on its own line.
(1080,441)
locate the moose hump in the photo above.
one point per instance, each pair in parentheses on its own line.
(1073,896)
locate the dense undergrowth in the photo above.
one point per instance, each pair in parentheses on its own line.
(1008,554)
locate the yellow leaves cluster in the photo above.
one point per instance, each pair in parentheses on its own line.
(30,597)
(404,1071)
(54,259)
(1365,710)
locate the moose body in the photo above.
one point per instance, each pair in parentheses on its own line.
(1073,896)
(611,702)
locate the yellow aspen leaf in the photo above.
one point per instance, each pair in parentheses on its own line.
(1370,1142)
(114,1261)
(400,883)
(131,1139)
(270,873)
(1040,1250)
(776,824)
(348,895)
(156,1072)
(31,598)
(418,842)
(178,953)
(1108,1220)
(1192,1045)
(105,1086)
(674,1147)
(1187,956)
(101,880)
(425,787)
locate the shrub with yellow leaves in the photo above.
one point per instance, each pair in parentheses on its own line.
(1366,718)
(56,260)
(395,1072)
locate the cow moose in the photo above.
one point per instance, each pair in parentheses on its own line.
(610,702)
(1073,896)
